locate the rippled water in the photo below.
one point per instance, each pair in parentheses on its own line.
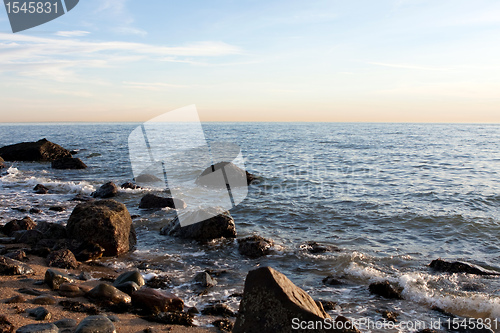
(392,197)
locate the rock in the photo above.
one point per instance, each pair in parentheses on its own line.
(2,164)
(254,246)
(18,255)
(236,176)
(82,198)
(215,223)
(7,240)
(40,189)
(107,190)
(460,267)
(327,305)
(157,300)
(151,201)
(40,313)
(133,276)
(62,259)
(30,237)
(13,267)
(333,281)
(51,230)
(271,301)
(57,208)
(89,251)
(113,318)
(96,324)
(205,280)
(104,222)
(224,325)
(130,185)
(172,318)
(106,294)
(42,150)
(128,287)
(159,282)
(71,290)
(54,279)
(314,247)
(15,299)
(5,325)
(35,211)
(30,291)
(25,224)
(38,328)
(75,306)
(84,276)
(193,310)
(147,179)
(68,163)
(44,300)
(385,289)
(218,309)
(66,323)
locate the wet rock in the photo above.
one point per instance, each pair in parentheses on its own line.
(314,247)
(215,223)
(40,189)
(44,300)
(2,163)
(51,230)
(151,201)
(104,222)
(13,267)
(62,259)
(5,325)
(327,305)
(389,315)
(38,328)
(66,323)
(71,290)
(84,276)
(35,211)
(3,250)
(82,198)
(157,300)
(30,237)
(30,291)
(7,240)
(128,287)
(159,282)
(205,280)
(193,310)
(89,251)
(18,255)
(42,150)
(212,177)
(57,208)
(54,279)
(133,276)
(68,163)
(40,313)
(333,281)
(218,309)
(130,185)
(15,299)
(385,289)
(147,179)
(107,190)
(254,246)
(106,294)
(460,267)
(96,324)
(172,318)
(24,224)
(224,325)
(75,306)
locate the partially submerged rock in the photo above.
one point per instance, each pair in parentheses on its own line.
(40,151)
(386,289)
(315,247)
(255,246)
(460,267)
(68,163)
(107,190)
(40,189)
(104,222)
(157,300)
(216,176)
(13,267)
(134,276)
(205,280)
(151,201)
(2,163)
(130,185)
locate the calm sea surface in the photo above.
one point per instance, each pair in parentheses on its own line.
(392,197)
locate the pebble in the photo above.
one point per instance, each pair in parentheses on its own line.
(96,324)
(40,313)
(38,328)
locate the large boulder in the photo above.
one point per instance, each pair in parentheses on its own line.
(16,225)
(272,303)
(215,223)
(460,267)
(40,151)
(69,163)
(104,222)
(234,175)
(151,201)
(107,190)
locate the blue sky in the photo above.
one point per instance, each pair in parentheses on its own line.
(131,60)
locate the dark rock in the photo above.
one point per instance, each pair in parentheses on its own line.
(94,324)
(106,294)
(389,315)
(327,305)
(30,237)
(18,255)
(54,279)
(147,179)
(84,276)
(44,300)
(5,325)
(113,318)
(30,291)
(218,309)
(104,222)
(159,282)
(314,247)
(62,259)
(157,300)
(41,189)
(385,289)
(42,150)
(82,198)
(128,287)
(133,276)
(3,250)
(40,313)
(205,280)
(15,299)
(38,328)
(35,211)
(235,176)
(151,330)
(89,251)
(255,246)
(7,240)
(107,190)
(151,201)
(57,208)
(51,230)
(130,185)
(66,323)
(68,163)
(193,310)
(13,267)
(332,281)
(460,267)
(25,224)
(271,301)
(2,164)
(75,306)
(172,318)
(224,325)
(71,290)
(215,223)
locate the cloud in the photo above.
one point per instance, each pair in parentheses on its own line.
(153,86)
(407,66)
(75,33)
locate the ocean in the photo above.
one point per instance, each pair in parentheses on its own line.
(391,197)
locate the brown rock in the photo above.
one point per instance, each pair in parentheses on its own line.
(15,299)
(5,325)
(106,294)
(107,190)
(41,189)
(62,259)
(25,224)
(69,163)
(254,246)
(460,267)
(42,150)
(44,300)
(2,164)
(235,176)
(385,289)
(54,279)
(13,267)
(157,300)
(150,201)
(70,290)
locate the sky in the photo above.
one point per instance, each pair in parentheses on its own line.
(252,60)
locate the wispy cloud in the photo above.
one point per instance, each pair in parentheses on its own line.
(408,66)
(75,33)
(153,86)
